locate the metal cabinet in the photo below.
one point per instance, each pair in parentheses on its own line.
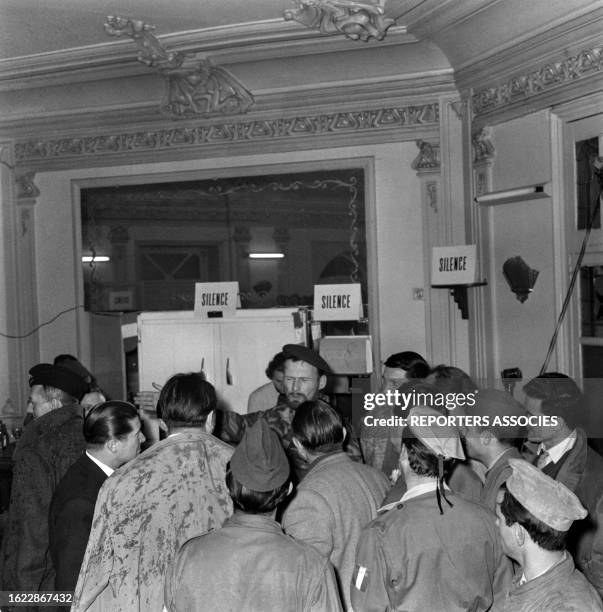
(232,352)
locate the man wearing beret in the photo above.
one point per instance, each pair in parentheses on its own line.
(250,564)
(48,447)
(534,515)
(563,453)
(432,550)
(493,445)
(305,375)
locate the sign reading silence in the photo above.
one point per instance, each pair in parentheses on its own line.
(337,302)
(454,265)
(216,299)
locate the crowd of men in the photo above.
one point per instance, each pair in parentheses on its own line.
(287,508)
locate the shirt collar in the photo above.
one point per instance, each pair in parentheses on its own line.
(105,468)
(493,463)
(416,491)
(557,451)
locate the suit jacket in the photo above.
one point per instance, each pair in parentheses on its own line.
(334,501)
(48,447)
(70,519)
(145,512)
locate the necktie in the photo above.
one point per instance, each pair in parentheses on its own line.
(543,459)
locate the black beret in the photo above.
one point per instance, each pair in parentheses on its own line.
(303,353)
(60,377)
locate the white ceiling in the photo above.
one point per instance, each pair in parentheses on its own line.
(30,27)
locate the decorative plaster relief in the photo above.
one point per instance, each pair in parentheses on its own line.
(431,189)
(483,149)
(227,133)
(194,87)
(429,156)
(549,76)
(356,20)
(26,188)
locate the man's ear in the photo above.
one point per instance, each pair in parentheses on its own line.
(322,381)
(112,445)
(210,422)
(300,448)
(519,533)
(486,437)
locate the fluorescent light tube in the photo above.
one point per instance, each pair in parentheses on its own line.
(266,255)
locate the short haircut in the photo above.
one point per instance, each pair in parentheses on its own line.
(412,363)
(108,420)
(254,502)
(449,379)
(421,459)
(186,399)
(318,427)
(277,364)
(544,536)
(62,358)
(560,397)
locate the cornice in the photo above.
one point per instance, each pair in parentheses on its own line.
(384,124)
(225,45)
(523,88)
(370,93)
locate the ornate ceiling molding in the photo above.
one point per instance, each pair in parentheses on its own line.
(428,158)
(525,86)
(384,120)
(483,148)
(356,20)
(194,87)
(26,188)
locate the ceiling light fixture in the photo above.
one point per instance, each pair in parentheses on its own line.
(266,255)
(96,259)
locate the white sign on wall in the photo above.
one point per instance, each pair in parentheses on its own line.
(211,299)
(454,265)
(337,302)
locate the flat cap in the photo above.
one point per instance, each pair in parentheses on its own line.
(493,403)
(431,427)
(546,499)
(303,353)
(259,461)
(59,377)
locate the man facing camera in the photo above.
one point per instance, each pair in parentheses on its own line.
(250,564)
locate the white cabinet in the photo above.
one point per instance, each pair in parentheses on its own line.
(232,352)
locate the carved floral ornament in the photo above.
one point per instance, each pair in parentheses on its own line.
(194,87)
(356,20)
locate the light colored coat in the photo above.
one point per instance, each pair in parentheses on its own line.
(145,512)
(334,501)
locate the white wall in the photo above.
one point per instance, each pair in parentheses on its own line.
(393,229)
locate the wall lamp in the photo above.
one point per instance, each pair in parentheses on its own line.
(266,255)
(517,194)
(95,259)
(520,277)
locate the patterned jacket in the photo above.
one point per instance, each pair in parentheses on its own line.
(145,512)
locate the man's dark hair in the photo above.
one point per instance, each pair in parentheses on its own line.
(318,427)
(277,364)
(546,537)
(421,459)
(449,379)
(254,502)
(108,420)
(186,399)
(412,363)
(560,397)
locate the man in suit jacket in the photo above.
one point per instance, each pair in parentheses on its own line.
(112,431)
